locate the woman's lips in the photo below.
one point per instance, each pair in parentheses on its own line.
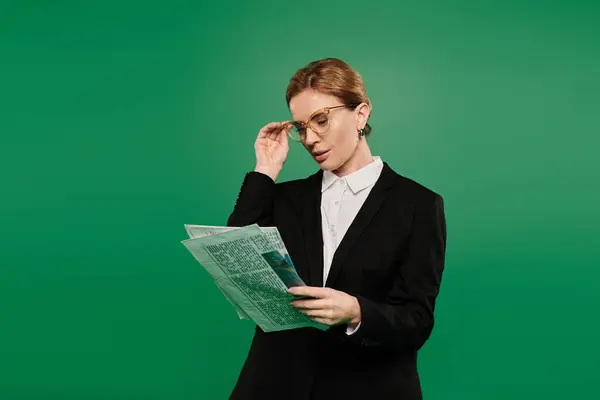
(321,157)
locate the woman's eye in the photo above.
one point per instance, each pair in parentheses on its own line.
(321,120)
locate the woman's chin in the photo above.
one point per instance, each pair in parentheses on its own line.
(328,166)
(324,165)
(329,163)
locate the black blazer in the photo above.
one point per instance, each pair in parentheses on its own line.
(391,259)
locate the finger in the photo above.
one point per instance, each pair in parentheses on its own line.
(270,126)
(278,133)
(324,321)
(273,132)
(312,304)
(285,128)
(311,291)
(268,129)
(326,314)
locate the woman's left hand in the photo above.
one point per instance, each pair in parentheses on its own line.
(328,306)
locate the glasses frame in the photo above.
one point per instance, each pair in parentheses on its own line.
(306,124)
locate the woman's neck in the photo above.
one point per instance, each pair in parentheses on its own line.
(359,159)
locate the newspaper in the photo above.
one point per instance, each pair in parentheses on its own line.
(252,268)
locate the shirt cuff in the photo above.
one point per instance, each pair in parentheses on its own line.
(350,331)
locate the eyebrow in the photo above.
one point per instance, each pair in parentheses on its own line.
(311,114)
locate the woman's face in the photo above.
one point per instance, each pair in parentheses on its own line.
(337,144)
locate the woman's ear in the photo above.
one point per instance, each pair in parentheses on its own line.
(363,112)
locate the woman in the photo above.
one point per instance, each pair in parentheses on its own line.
(369,243)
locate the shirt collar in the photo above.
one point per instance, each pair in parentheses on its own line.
(358,180)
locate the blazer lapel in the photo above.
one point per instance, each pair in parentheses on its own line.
(313,234)
(366,213)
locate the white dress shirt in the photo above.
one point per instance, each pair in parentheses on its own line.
(341,200)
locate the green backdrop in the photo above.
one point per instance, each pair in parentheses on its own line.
(122,121)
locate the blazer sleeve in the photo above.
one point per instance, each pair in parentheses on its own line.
(405,320)
(254,204)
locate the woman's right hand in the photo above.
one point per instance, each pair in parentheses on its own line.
(272,148)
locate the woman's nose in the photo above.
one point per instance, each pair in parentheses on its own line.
(311,137)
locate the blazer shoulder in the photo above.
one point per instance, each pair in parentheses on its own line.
(297,186)
(419,192)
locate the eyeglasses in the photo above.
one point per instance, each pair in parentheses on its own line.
(318,122)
